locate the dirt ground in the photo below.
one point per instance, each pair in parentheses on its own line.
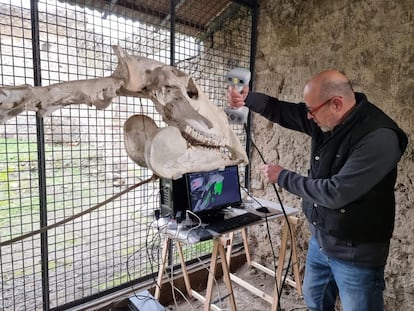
(245,300)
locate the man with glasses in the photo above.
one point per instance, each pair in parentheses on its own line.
(348,195)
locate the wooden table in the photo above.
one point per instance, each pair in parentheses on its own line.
(224,242)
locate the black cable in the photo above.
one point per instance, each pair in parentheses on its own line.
(279,290)
(269,235)
(273,254)
(113,306)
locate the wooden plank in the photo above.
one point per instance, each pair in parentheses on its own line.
(251,288)
(262,268)
(202,299)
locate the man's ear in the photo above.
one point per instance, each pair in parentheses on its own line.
(338,103)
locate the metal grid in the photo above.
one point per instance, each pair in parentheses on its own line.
(54,167)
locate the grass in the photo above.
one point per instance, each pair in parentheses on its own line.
(16,181)
(19,180)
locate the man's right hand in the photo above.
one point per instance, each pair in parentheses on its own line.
(236,99)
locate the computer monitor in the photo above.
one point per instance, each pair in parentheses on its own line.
(202,193)
(211,191)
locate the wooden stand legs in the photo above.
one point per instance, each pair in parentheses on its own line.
(285,240)
(218,250)
(281,262)
(219,245)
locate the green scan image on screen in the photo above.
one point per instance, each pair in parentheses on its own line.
(214,190)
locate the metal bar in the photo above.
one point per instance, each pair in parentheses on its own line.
(172,32)
(253,43)
(109,10)
(174,8)
(172,62)
(248,3)
(40,158)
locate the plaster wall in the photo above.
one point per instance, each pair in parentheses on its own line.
(371,41)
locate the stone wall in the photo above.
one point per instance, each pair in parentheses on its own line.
(371,41)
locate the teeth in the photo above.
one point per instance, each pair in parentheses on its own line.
(187,129)
(197,138)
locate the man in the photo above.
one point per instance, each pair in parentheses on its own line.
(348,197)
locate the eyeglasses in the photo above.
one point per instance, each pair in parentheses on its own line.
(312,111)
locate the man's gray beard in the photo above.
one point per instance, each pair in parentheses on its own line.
(326,129)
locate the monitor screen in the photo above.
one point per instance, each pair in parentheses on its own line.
(213,190)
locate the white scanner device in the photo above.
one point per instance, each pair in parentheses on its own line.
(238,77)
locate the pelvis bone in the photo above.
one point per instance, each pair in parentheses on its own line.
(198,136)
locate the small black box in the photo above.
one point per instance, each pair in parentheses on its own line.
(144,301)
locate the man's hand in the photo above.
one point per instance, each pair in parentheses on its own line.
(236,99)
(272,172)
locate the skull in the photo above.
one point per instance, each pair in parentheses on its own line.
(198,136)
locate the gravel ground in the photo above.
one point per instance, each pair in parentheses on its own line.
(246,301)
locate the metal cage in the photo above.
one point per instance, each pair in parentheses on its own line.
(59,165)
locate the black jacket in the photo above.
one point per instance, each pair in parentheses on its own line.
(370,218)
(365,150)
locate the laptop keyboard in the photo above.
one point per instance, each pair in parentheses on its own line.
(233,222)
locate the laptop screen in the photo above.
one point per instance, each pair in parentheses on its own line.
(214,189)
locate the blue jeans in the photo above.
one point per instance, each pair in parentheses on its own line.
(359,288)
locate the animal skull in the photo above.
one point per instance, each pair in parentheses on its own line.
(198,136)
